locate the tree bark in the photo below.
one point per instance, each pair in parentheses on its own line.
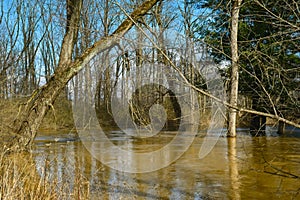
(235,68)
(30,117)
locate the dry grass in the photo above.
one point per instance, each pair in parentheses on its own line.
(19,179)
(59,116)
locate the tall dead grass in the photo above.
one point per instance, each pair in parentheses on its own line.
(19,179)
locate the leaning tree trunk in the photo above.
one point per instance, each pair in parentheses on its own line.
(234,68)
(30,117)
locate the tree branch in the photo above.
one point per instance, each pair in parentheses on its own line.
(273,116)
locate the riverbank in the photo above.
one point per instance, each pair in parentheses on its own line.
(58,117)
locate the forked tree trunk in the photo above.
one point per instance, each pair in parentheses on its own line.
(235,69)
(30,117)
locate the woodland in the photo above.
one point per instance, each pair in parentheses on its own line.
(181,69)
(44,45)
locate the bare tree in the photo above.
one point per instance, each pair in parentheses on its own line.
(27,122)
(234,67)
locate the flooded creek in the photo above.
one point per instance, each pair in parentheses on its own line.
(242,168)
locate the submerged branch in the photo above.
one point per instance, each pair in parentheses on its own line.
(279,172)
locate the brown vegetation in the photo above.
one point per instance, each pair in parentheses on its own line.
(20,180)
(59,116)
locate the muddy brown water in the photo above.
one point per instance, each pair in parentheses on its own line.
(242,168)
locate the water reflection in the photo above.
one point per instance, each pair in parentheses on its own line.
(237,168)
(233,168)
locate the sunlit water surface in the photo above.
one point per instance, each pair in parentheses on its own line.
(242,168)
